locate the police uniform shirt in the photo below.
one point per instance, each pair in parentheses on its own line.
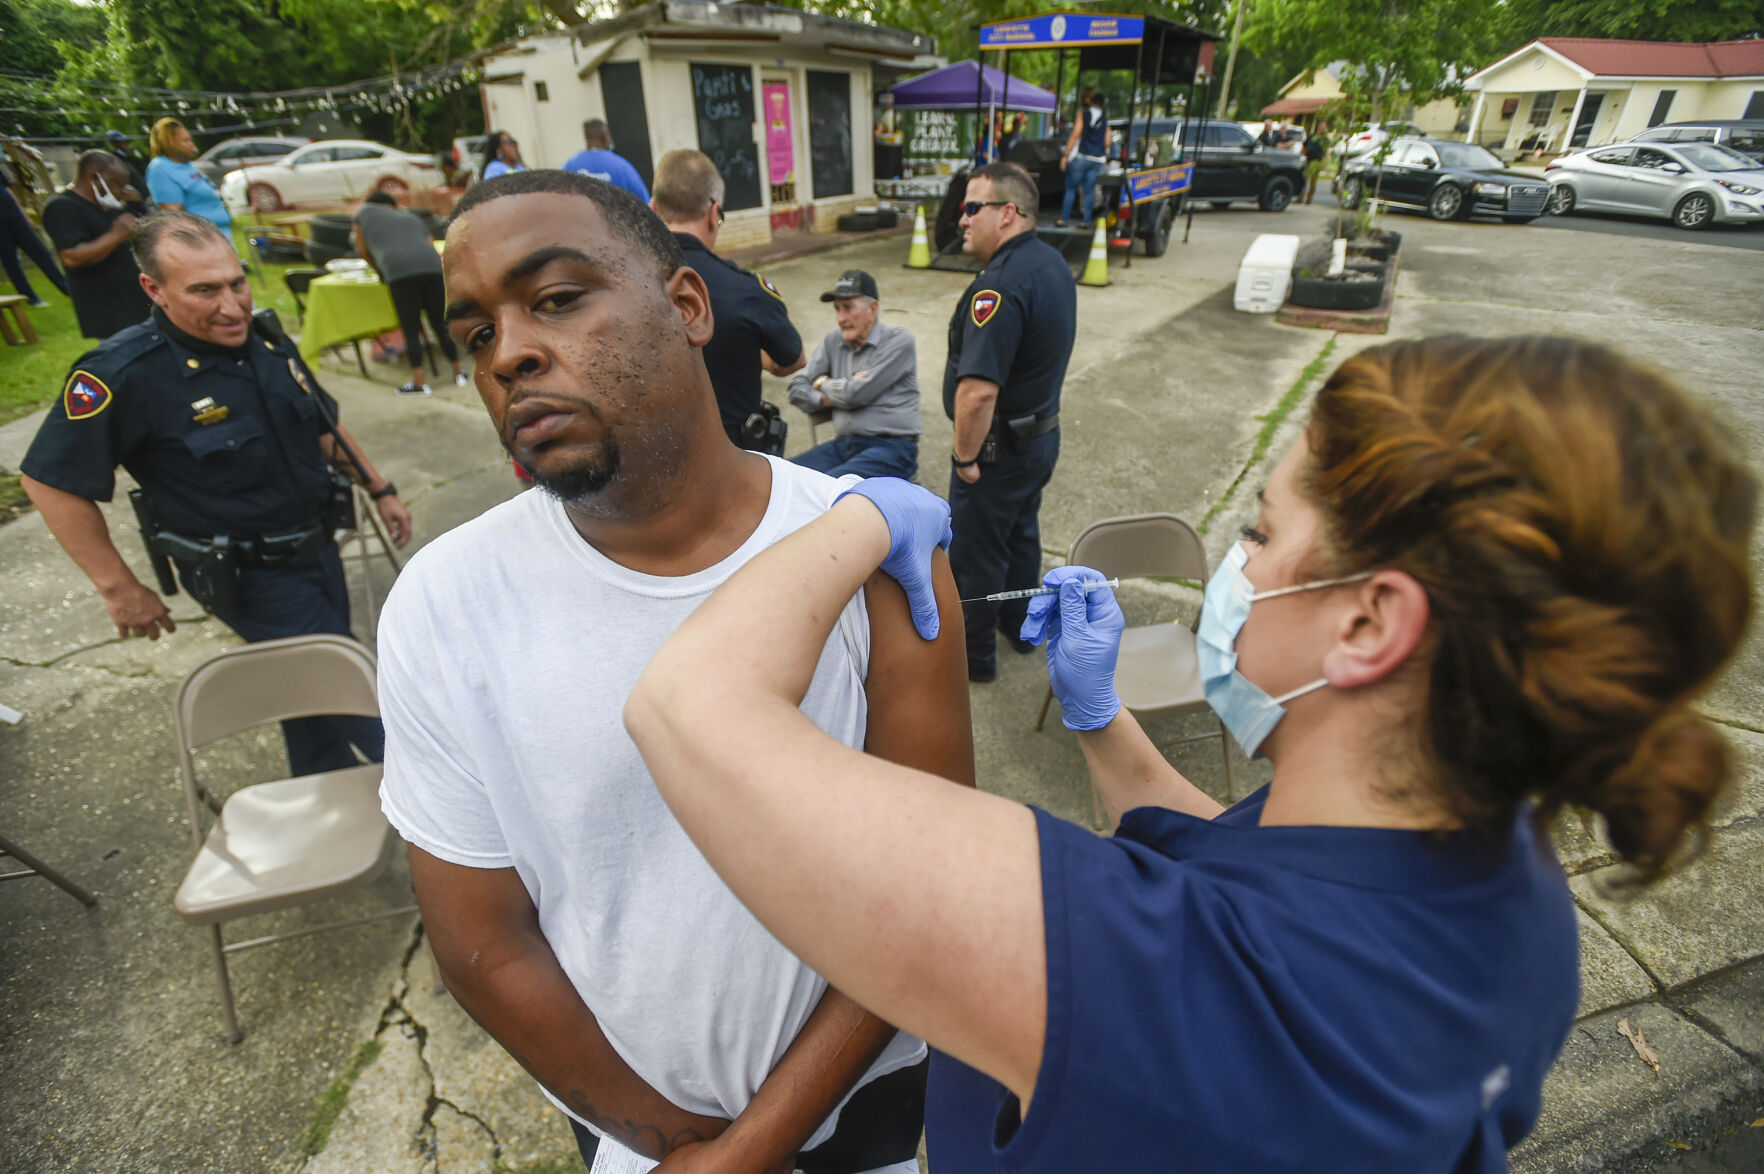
(107,294)
(1014,327)
(1226,997)
(749,316)
(224,440)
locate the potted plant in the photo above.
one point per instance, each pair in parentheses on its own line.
(1359,285)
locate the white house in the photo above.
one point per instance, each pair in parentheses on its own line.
(1562,92)
(779,99)
(1311,93)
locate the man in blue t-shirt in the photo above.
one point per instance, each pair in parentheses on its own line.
(600,161)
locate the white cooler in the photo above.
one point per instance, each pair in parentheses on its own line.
(1266,273)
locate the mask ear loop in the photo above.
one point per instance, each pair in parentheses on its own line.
(1320,583)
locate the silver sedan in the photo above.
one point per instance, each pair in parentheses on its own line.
(1693,185)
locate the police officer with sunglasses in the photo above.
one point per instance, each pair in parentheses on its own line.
(1009,342)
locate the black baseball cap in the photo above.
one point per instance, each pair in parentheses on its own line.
(853,283)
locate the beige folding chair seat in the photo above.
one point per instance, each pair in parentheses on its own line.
(1156,674)
(275,845)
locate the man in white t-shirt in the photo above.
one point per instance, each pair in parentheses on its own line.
(568,912)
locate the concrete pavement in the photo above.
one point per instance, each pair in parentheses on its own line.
(1174,402)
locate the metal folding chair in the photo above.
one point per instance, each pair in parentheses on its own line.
(1157,673)
(275,845)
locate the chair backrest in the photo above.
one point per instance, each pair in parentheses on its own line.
(301,676)
(300,280)
(1141,545)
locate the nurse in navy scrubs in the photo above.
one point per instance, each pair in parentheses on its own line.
(1488,581)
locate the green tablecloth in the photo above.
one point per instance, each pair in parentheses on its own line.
(340,310)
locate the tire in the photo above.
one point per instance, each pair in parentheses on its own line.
(332,231)
(1319,293)
(1351,193)
(264,198)
(1561,200)
(1447,202)
(1276,196)
(1518,219)
(1158,239)
(394,187)
(1696,211)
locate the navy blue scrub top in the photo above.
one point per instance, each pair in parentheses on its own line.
(1233,998)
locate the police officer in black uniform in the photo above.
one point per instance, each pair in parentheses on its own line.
(1009,342)
(232,442)
(752,328)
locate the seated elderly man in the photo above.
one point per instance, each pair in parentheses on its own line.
(867,373)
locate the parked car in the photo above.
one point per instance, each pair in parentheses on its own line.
(331,172)
(467,156)
(1745,135)
(1446,180)
(1370,137)
(1229,164)
(1692,184)
(222,159)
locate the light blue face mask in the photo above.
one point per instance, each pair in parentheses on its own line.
(1248,712)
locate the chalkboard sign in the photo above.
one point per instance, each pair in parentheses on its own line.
(722,96)
(829,106)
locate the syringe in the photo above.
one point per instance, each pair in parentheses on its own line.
(1032,592)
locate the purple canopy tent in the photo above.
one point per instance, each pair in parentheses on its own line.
(955,87)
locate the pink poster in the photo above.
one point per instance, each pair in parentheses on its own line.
(780,148)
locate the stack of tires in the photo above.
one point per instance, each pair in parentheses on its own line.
(330,239)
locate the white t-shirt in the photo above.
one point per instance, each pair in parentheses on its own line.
(507,650)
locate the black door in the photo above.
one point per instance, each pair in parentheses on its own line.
(621,92)
(1589,114)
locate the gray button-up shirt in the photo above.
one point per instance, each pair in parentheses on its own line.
(874,388)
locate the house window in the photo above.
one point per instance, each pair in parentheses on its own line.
(1542,106)
(541,93)
(1662,105)
(1755,106)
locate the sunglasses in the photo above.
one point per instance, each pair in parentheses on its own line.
(721,215)
(972,207)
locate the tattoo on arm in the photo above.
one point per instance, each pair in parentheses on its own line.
(643,1139)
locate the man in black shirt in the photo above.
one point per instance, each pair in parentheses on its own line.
(752,328)
(118,144)
(90,230)
(232,442)
(1009,342)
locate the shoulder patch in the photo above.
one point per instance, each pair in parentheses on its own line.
(84,396)
(984,306)
(768,287)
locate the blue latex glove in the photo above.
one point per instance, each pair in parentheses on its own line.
(1083,633)
(918,523)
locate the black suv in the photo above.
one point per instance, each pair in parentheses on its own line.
(1447,180)
(1229,164)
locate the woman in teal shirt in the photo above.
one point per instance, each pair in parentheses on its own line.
(174,183)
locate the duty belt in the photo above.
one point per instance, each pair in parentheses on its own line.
(1043,425)
(287,548)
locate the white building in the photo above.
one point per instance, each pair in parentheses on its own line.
(779,99)
(1563,92)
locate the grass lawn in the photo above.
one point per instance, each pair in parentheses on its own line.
(31,376)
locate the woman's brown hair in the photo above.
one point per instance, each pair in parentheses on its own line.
(1582,530)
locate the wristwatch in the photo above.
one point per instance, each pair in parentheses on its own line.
(959,463)
(386,490)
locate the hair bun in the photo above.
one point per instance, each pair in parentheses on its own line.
(1672,775)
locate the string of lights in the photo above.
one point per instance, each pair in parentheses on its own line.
(244,110)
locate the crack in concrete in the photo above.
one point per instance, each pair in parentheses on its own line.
(105,643)
(1660,984)
(396,1015)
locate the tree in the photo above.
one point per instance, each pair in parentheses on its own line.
(1641,20)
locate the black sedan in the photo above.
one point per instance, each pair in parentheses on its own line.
(1447,180)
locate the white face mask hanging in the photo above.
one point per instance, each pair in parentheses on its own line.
(105,197)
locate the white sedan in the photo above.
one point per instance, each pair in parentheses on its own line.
(331,172)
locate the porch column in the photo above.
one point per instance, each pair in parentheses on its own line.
(1573,121)
(1476,116)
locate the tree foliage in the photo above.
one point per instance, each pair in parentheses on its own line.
(1421,47)
(1640,20)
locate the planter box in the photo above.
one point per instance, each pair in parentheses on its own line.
(1375,320)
